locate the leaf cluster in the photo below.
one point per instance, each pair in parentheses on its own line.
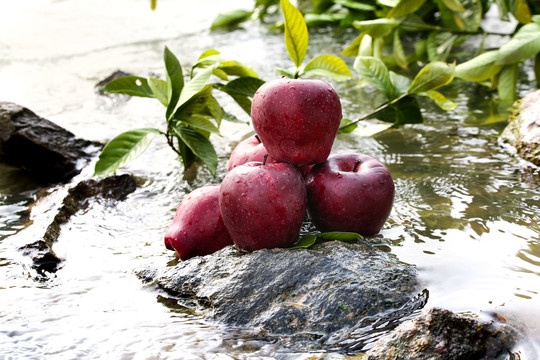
(192,113)
(436,28)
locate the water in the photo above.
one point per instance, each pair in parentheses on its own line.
(461,214)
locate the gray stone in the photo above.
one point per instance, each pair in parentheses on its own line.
(523,129)
(39,146)
(441,334)
(317,291)
(78,198)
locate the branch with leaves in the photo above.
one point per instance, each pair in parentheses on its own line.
(192,112)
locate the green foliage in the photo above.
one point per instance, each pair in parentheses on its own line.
(192,112)
(308,240)
(296,41)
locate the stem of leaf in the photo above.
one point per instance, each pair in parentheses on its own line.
(370,114)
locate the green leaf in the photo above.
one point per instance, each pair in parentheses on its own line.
(123,149)
(373,128)
(236,68)
(523,45)
(348,129)
(439,99)
(296,34)
(201,147)
(439,45)
(243,101)
(468,20)
(196,84)
(215,110)
(454,5)
(201,123)
(244,86)
(175,80)
(378,27)
(405,7)
(401,83)
(330,66)
(521,11)
(207,53)
(480,68)
(340,236)
(432,76)
(196,105)
(129,85)
(159,88)
(374,72)
(305,242)
(355,5)
(366,46)
(353,47)
(507,84)
(399,53)
(404,111)
(231,18)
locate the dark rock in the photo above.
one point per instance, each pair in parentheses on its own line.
(115,75)
(78,198)
(274,292)
(441,334)
(523,129)
(39,146)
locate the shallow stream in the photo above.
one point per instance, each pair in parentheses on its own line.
(461,215)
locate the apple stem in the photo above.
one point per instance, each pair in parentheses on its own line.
(264,159)
(356,165)
(258,138)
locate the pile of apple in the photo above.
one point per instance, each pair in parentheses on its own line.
(277,174)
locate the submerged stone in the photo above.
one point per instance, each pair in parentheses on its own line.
(441,334)
(318,291)
(39,146)
(523,133)
(78,198)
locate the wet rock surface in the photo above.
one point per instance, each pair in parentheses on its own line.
(315,291)
(523,134)
(77,199)
(37,145)
(441,334)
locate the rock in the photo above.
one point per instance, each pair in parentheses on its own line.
(115,75)
(39,146)
(523,129)
(78,198)
(443,335)
(307,292)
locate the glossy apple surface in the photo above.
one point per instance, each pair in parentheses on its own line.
(248,150)
(297,120)
(197,228)
(350,192)
(251,149)
(263,206)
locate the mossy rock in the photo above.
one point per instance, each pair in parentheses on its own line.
(523,129)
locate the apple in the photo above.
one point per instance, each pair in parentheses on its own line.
(296,119)
(350,192)
(252,149)
(263,205)
(197,228)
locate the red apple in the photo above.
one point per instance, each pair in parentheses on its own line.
(197,228)
(263,205)
(297,120)
(251,149)
(350,192)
